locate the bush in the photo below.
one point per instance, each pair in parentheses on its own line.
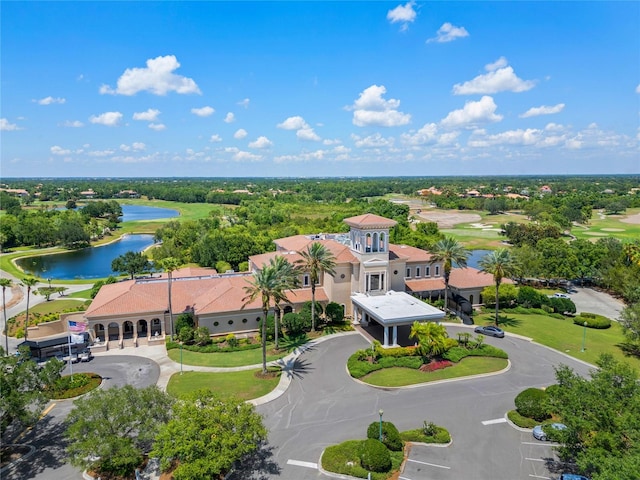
(271,328)
(532,403)
(390,435)
(375,456)
(593,320)
(201,336)
(334,312)
(296,324)
(458,353)
(529,297)
(562,305)
(185,334)
(506,295)
(184,320)
(520,421)
(231,340)
(440,435)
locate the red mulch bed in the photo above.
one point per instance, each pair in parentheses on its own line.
(435,365)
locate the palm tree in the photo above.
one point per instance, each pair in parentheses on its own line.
(4,283)
(316,259)
(28,282)
(432,338)
(449,251)
(169,265)
(288,275)
(267,285)
(499,263)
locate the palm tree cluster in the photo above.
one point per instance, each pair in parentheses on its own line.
(449,251)
(274,280)
(501,264)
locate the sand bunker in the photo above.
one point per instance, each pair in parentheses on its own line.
(596,234)
(612,229)
(450,219)
(635,219)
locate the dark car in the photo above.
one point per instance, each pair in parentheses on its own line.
(490,331)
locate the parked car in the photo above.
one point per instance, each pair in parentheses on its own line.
(540,434)
(560,295)
(572,476)
(490,330)
(85,356)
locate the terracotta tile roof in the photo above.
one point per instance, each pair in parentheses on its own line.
(293,244)
(425,284)
(369,220)
(189,272)
(472,278)
(200,295)
(410,254)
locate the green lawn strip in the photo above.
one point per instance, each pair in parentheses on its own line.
(400,376)
(565,336)
(441,436)
(188,211)
(599,226)
(82,294)
(71,386)
(344,458)
(244,385)
(224,359)
(53,306)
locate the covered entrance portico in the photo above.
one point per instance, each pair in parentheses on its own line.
(391,310)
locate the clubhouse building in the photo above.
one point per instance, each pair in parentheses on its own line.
(375,281)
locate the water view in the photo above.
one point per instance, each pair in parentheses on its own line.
(133,213)
(89,263)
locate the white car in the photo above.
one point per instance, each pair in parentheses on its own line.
(85,356)
(560,295)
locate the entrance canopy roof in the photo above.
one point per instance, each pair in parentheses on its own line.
(396,308)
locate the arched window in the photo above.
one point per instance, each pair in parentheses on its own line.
(368,243)
(375,242)
(382,243)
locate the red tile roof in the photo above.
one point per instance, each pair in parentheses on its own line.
(369,220)
(409,254)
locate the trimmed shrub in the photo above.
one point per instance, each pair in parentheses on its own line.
(395,351)
(506,295)
(593,320)
(231,340)
(184,320)
(334,313)
(271,328)
(529,297)
(520,421)
(532,403)
(296,323)
(440,435)
(406,362)
(185,334)
(375,456)
(562,305)
(458,353)
(390,435)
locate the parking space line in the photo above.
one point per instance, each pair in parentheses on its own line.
(541,444)
(540,476)
(494,421)
(429,464)
(299,463)
(535,459)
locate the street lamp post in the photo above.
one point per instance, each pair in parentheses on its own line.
(381,412)
(584,336)
(180,358)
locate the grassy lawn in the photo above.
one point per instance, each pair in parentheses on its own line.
(398,376)
(82,294)
(609,226)
(53,306)
(564,336)
(243,385)
(224,359)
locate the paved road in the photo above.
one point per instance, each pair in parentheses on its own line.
(49,462)
(324,406)
(595,301)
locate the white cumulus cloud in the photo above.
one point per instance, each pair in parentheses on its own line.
(372,141)
(73,124)
(427,134)
(229,118)
(261,142)
(58,150)
(308,134)
(371,109)
(472,113)
(293,123)
(404,14)
(244,103)
(500,78)
(240,134)
(158,127)
(543,110)
(135,146)
(156,78)
(499,63)
(638,88)
(215,138)
(110,119)
(50,100)
(5,125)
(151,115)
(448,33)
(203,112)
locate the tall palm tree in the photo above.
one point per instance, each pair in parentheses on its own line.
(267,285)
(28,282)
(316,259)
(501,264)
(4,283)
(289,277)
(169,265)
(449,251)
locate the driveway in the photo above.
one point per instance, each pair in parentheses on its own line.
(324,406)
(595,301)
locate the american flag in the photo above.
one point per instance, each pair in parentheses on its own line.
(77,326)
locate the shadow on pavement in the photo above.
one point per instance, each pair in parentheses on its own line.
(300,368)
(258,466)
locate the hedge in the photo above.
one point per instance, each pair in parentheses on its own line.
(532,403)
(374,456)
(593,320)
(417,435)
(390,435)
(456,354)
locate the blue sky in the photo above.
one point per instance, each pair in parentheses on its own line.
(309,89)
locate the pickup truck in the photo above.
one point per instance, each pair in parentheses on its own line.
(85,356)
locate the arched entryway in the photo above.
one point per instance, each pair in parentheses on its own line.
(113,331)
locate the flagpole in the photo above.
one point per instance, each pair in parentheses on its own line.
(70,362)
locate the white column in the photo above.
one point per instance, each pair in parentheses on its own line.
(386,337)
(395,335)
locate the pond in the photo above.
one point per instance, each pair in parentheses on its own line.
(475,257)
(133,213)
(89,263)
